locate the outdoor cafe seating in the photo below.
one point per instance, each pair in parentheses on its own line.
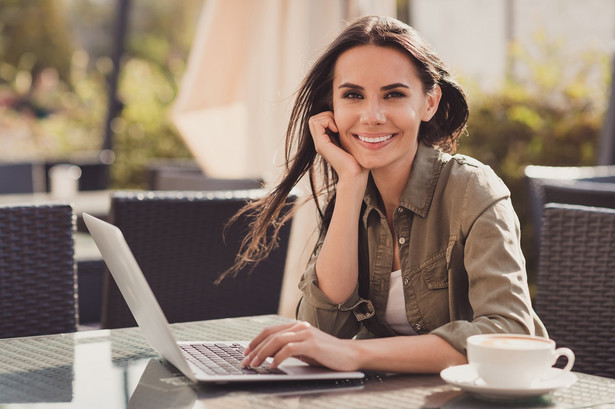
(33,176)
(20,177)
(580,185)
(576,283)
(185,174)
(182,243)
(181,260)
(37,270)
(574,234)
(166,228)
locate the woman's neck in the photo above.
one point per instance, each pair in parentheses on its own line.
(391,181)
(391,184)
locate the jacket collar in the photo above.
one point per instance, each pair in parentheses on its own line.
(419,190)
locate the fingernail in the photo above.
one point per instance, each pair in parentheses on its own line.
(254,362)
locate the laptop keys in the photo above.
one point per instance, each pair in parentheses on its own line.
(222,359)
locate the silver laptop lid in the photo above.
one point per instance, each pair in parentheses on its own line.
(136,291)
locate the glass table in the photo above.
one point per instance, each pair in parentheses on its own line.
(118,369)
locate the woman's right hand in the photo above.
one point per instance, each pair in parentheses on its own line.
(322,126)
(302,341)
(337,264)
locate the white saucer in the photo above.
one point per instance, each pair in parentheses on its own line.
(465,377)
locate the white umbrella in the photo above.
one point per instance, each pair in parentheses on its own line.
(247,60)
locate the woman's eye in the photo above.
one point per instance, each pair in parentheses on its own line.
(394,94)
(352,95)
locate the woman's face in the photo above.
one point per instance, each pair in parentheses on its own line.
(378,105)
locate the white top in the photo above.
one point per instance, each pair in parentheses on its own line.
(395,314)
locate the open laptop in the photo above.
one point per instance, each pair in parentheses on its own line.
(191,358)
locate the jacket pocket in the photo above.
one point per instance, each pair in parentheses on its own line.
(435,271)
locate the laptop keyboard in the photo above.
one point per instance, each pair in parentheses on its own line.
(222,359)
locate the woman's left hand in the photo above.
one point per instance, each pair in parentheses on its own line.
(302,341)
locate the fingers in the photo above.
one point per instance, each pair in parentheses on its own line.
(321,125)
(302,341)
(297,349)
(265,334)
(279,342)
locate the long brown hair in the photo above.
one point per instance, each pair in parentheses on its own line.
(315,96)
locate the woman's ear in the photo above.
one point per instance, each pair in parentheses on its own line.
(433,101)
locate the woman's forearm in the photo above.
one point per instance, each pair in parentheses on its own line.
(337,265)
(410,354)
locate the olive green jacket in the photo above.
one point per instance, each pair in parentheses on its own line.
(462,266)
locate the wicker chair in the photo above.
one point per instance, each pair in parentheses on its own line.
(585,185)
(185,174)
(21,177)
(576,283)
(177,239)
(37,273)
(177,180)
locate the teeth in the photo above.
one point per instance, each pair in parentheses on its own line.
(374,140)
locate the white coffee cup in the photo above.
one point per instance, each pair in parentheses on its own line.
(64,180)
(514,361)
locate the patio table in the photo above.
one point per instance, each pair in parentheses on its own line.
(118,369)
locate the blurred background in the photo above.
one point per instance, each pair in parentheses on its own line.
(107,81)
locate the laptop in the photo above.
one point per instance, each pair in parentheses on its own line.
(214,362)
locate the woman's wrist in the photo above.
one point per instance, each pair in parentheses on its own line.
(356,355)
(353,187)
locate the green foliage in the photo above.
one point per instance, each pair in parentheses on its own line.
(143,131)
(45,117)
(34,36)
(53,89)
(51,105)
(550,117)
(158,47)
(53,94)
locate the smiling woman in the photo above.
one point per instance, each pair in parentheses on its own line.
(419,248)
(378,108)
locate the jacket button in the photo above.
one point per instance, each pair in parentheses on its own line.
(417,327)
(406,281)
(402,240)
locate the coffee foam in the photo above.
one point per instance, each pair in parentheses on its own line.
(514,343)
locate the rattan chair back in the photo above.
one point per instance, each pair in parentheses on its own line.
(581,185)
(576,283)
(180,243)
(37,273)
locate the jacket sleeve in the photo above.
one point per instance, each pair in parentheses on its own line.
(497,289)
(341,320)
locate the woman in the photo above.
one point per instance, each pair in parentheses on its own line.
(418,248)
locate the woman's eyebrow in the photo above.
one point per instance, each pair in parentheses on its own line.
(384,88)
(350,85)
(393,86)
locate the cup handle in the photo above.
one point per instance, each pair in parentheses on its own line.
(567,352)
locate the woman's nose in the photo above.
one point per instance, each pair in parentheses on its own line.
(373,112)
